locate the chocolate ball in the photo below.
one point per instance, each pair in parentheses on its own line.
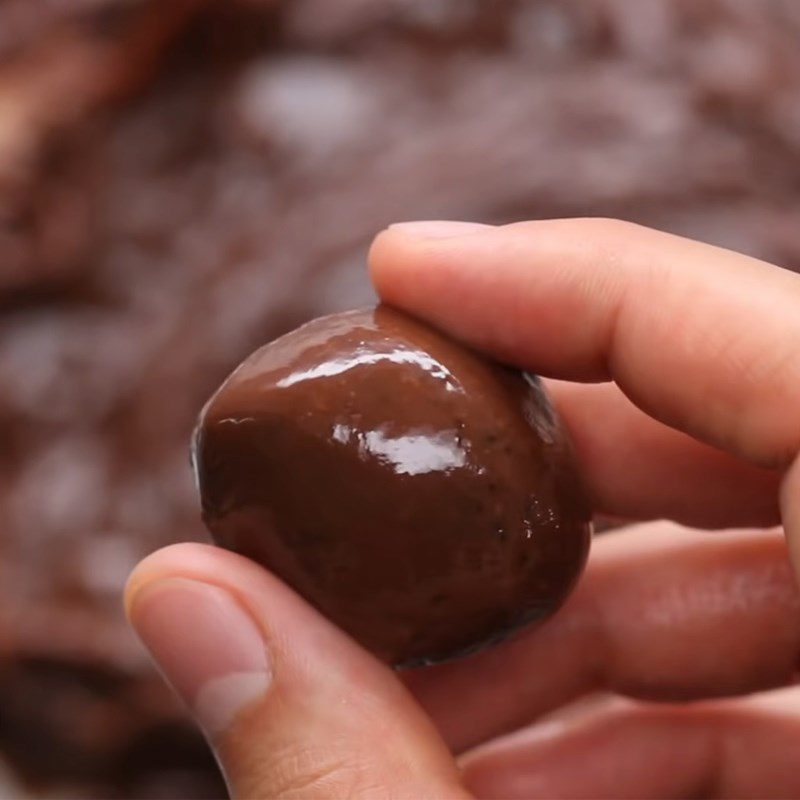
(420,495)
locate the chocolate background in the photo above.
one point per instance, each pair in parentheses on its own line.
(181,180)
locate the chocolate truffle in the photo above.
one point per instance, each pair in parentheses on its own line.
(420,495)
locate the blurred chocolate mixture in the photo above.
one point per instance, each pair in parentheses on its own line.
(181,180)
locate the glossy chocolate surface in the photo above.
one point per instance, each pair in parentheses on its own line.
(421,496)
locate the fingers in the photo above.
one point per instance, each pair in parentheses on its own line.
(638,468)
(613,748)
(661,613)
(700,338)
(292,706)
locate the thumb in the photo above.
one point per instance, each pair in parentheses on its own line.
(290,704)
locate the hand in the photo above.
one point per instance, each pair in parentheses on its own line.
(700,425)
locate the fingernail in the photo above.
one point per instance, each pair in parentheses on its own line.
(439,229)
(207,646)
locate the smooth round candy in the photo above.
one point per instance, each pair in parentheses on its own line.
(420,495)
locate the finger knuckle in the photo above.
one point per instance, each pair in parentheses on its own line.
(609,228)
(306,774)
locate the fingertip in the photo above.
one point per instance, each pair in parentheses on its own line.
(379,259)
(295,626)
(398,249)
(175,560)
(392,261)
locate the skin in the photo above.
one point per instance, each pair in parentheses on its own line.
(669,671)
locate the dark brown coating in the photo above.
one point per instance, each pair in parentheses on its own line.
(421,496)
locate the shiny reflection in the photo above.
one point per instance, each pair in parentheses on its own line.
(540,515)
(537,410)
(412,454)
(362,358)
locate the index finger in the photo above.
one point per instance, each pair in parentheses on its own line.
(700,338)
